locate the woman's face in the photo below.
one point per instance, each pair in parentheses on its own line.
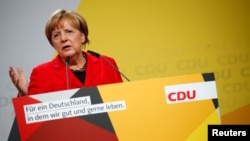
(67,40)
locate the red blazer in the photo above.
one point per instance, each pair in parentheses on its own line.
(51,76)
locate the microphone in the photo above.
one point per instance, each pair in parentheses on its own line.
(67,74)
(94,53)
(105,59)
(67,60)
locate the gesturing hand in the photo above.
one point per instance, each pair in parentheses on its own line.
(19,80)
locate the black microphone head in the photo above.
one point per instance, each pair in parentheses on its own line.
(67,60)
(94,53)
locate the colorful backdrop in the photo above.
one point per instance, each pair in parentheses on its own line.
(175,37)
(149,39)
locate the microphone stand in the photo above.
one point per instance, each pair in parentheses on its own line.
(67,74)
(114,67)
(105,59)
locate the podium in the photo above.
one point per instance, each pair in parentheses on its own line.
(171,108)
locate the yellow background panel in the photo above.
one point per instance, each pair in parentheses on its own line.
(159,38)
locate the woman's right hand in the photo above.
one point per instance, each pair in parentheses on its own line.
(19,80)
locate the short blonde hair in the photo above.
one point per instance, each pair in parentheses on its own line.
(75,19)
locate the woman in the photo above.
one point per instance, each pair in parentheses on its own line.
(67,32)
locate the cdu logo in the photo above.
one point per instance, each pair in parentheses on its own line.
(190,92)
(182,95)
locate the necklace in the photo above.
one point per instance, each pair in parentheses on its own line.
(83,68)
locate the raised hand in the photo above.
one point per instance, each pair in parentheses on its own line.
(19,80)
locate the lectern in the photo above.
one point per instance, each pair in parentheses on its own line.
(172,108)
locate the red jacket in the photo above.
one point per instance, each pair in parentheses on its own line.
(51,76)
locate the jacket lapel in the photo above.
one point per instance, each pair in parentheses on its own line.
(93,68)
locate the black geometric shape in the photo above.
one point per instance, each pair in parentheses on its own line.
(101,119)
(208,76)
